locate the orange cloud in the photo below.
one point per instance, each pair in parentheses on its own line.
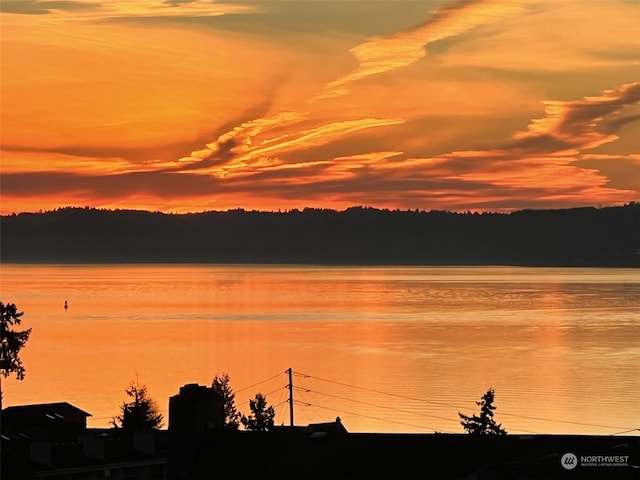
(539,167)
(121,8)
(565,36)
(574,124)
(70,85)
(385,53)
(187,105)
(238,150)
(236,142)
(544,158)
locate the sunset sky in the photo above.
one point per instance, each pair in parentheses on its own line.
(193,105)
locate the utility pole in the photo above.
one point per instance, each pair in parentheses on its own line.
(290,386)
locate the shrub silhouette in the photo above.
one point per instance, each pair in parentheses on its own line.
(261,418)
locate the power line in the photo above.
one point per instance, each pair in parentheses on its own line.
(375,405)
(559,421)
(279,389)
(304,375)
(627,431)
(306,390)
(260,382)
(459,407)
(370,417)
(304,402)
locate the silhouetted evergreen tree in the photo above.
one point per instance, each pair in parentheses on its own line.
(141,413)
(231,415)
(11,341)
(261,418)
(483,424)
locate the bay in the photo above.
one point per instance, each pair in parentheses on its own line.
(387,349)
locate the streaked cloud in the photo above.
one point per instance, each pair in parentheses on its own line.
(557,37)
(235,143)
(182,105)
(37,7)
(385,53)
(161,8)
(239,150)
(123,8)
(574,124)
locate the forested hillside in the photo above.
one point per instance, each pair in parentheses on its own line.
(571,237)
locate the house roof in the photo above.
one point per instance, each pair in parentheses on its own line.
(57,410)
(327,427)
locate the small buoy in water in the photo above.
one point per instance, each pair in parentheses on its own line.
(66,305)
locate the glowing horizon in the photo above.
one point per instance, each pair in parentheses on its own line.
(198,105)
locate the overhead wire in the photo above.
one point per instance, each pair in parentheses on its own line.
(301,389)
(260,382)
(370,417)
(302,411)
(279,389)
(373,404)
(405,397)
(627,431)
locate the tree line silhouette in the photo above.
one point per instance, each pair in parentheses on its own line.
(142,413)
(588,236)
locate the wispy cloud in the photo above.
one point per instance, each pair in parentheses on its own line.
(574,124)
(543,160)
(235,143)
(162,8)
(253,146)
(539,166)
(554,36)
(42,7)
(384,53)
(123,8)
(196,104)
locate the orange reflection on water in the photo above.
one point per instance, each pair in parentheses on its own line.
(384,349)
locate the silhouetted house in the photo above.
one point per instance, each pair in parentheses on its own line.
(197,446)
(52,441)
(46,421)
(326,429)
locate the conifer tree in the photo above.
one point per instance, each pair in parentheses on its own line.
(11,341)
(231,415)
(484,424)
(141,413)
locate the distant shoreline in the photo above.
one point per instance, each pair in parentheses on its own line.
(311,265)
(580,237)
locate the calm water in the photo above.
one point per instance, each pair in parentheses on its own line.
(388,349)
